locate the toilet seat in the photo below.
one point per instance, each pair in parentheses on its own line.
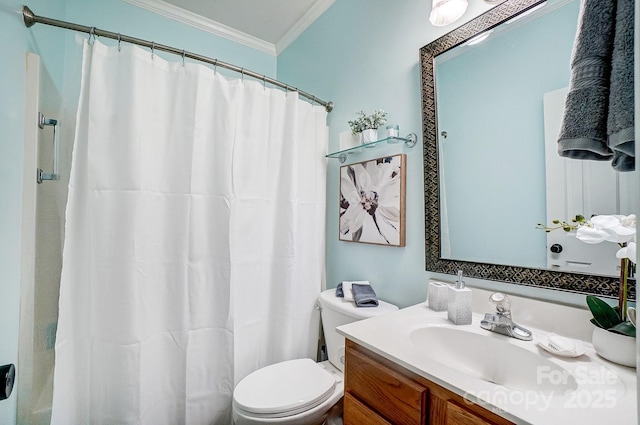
(284,389)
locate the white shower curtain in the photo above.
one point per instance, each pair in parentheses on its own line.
(195,238)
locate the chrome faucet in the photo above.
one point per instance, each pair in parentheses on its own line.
(500,321)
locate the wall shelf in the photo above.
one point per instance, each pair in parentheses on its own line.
(410,140)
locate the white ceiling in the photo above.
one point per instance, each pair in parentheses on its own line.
(267,25)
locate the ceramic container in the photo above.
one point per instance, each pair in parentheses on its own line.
(369,135)
(620,349)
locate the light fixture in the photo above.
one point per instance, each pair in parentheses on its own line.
(445,12)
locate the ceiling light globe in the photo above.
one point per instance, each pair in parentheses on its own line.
(445,12)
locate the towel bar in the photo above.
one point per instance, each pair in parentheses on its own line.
(41,175)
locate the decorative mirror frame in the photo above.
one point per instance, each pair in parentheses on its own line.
(571,282)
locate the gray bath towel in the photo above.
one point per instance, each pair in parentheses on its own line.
(364,295)
(583,134)
(621,107)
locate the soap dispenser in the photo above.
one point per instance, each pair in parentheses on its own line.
(459,302)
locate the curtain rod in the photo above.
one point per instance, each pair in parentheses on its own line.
(31,19)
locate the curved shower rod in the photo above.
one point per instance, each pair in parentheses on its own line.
(31,19)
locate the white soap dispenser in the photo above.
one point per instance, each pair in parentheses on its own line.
(459,302)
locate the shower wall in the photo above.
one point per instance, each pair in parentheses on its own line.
(42,236)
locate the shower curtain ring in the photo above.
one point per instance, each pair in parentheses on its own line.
(264,82)
(119,40)
(92,35)
(215,66)
(153,47)
(242,74)
(183,55)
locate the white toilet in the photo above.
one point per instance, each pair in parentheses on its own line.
(301,391)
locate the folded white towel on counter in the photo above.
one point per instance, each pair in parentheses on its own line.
(346,288)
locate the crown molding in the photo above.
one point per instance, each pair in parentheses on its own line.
(165,9)
(318,8)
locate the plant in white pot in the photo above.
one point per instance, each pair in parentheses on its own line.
(614,336)
(368,125)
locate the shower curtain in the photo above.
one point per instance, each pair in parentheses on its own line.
(194,250)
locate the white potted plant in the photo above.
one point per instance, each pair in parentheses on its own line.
(367,125)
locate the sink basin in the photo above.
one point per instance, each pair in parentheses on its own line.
(492,358)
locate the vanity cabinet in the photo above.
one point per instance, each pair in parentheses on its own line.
(378,392)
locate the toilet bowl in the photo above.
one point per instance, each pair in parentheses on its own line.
(295,392)
(301,391)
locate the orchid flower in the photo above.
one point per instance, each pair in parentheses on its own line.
(628,251)
(621,230)
(613,228)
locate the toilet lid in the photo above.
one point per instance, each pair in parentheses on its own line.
(284,388)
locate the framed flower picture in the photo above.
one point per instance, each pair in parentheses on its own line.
(372,201)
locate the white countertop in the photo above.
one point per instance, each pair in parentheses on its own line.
(602,399)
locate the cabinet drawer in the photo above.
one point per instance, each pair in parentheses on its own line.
(458,415)
(356,413)
(390,393)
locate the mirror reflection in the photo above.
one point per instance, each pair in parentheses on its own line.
(499,217)
(499,108)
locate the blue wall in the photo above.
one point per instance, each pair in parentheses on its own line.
(61,55)
(363,54)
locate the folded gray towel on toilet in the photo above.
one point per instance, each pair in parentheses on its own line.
(364,295)
(583,134)
(620,125)
(339,292)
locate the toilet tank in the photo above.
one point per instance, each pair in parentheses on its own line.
(336,312)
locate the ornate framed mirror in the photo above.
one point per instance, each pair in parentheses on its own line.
(499,269)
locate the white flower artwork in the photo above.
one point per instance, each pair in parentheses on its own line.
(372,201)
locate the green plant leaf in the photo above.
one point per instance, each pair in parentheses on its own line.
(602,312)
(595,323)
(624,328)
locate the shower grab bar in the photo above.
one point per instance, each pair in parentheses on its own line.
(41,175)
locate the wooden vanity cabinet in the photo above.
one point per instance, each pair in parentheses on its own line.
(379,392)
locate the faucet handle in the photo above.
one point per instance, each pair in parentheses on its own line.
(501,303)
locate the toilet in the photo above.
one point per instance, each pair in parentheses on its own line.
(301,391)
